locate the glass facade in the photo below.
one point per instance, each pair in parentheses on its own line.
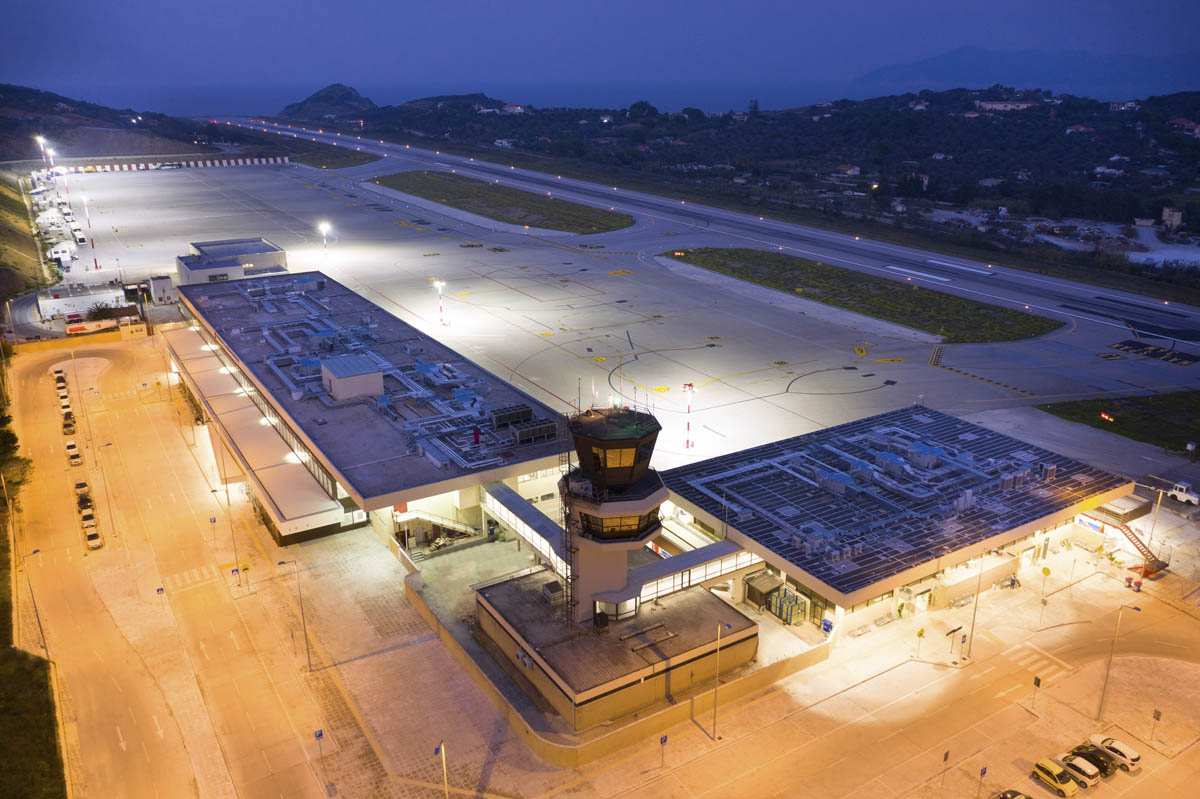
(617,527)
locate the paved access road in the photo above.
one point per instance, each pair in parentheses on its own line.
(174,694)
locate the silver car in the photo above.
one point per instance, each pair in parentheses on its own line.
(1083,772)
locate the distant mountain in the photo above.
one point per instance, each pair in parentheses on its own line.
(336,100)
(1105,77)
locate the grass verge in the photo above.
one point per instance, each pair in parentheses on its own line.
(505,204)
(302,151)
(32,765)
(1118,275)
(1164,420)
(18,247)
(957,319)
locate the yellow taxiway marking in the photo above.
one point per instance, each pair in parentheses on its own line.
(599,359)
(619,272)
(662,389)
(889,360)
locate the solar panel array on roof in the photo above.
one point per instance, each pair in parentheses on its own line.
(854,504)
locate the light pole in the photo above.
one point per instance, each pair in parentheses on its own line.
(41,140)
(33,598)
(324,228)
(439,285)
(1112,648)
(228,512)
(975,610)
(303,620)
(689,389)
(86,211)
(717,676)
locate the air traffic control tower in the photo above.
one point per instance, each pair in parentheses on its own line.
(611,502)
(605,625)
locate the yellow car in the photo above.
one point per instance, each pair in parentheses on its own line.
(1055,777)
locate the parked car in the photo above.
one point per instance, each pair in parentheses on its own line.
(73,453)
(81,487)
(1054,777)
(94,541)
(84,501)
(1081,770)
(68,428)
(1122,753)
(1012,794)
(1102,760)
(87,519)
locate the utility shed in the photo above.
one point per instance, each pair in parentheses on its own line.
(349,376)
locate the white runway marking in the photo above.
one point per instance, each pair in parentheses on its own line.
(925,275)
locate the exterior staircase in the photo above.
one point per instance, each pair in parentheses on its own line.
(1151,563)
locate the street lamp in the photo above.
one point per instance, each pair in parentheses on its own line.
(33,598)
(50,153)
(86,211)
(303,621)
(1112,647)
(41,140)
(439,285)
(324,228)
(717,675)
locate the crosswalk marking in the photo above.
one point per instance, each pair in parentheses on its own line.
(191,577)
(1038,661)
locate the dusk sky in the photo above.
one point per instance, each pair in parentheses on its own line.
(117,49)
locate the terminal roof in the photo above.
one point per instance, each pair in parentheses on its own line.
(855,504)
(441,418)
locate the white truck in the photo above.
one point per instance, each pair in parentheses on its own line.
(64,250)
(1184,493)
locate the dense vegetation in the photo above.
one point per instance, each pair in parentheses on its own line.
(1169,421)
(1038,167)
(506,204)
(957,319)
(29,750)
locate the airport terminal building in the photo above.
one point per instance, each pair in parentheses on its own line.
(638,586)
(338,414)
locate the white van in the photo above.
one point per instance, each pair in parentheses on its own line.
(64,250)
(79,237)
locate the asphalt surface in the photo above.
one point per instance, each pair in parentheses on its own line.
(952,274)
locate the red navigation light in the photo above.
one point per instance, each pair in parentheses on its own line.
(1106,417)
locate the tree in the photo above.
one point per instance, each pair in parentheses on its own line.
(752,108)
(642,109)
(693,114)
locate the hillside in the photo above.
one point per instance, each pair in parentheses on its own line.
(78,128)
(1048,155)
(334,101)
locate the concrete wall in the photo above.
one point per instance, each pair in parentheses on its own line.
(570,752)
(624,701)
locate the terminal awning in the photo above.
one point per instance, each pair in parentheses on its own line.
(291,494)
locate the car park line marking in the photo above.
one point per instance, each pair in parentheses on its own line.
(977,675)
(1006,691)
(233,638)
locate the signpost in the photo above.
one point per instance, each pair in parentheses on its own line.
(1045,574)
(1037,683)
(441,750)
(662,751)
(945,765)
(1157,718)
(920,635)
(979,790)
